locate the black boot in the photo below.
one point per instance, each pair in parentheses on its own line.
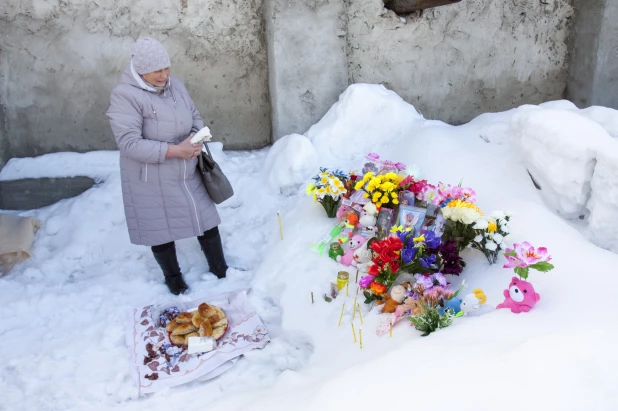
(213,250)
(171,270)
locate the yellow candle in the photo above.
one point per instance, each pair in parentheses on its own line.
(347,286)
(353,332)
(360,314)
(360,336)
(341,316)
(357,277)
(391,330)
(312,297)
(354,311)
(280,225)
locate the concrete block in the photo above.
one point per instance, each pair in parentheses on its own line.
(33,193)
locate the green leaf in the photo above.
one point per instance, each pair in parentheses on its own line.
(327,298)
(542,266)
(522,272)
(511,254)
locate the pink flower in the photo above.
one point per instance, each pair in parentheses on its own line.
(524,255)
(373,156)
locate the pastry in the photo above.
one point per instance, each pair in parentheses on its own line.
(184,329)
(205,329)
(205,310)
(220,321)
(193,334)
(219,331)
(197,318)
(178,339)
(184,318)
(171,325)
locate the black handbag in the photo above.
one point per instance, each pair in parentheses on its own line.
(217,185)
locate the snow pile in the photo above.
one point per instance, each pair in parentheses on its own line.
(70,300)
(560,148)
(290,163)
(366,118)
(603,204)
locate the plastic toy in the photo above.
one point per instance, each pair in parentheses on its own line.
(520,297)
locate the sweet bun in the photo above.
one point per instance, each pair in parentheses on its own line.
(197,319)
(219,331)
(184,329)
(171,325)
(205,310)
(178,339)
(205,329)
(184,318)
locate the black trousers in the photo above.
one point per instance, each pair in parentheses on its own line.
(213,232)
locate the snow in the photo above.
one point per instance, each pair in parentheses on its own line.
(63,310)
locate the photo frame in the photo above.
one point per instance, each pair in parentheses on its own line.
(407,198)
(412,217)
(385,221)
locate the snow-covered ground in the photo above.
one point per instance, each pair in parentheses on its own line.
(64,311)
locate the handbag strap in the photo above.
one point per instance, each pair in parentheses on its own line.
(209,153)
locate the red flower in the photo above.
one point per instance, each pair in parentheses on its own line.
(374,270)
(394,266)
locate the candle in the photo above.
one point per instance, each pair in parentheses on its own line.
(347,286)
(280,225)
(341,316)
(360,314)
(357,277)
(360,336)
(312,297)
(391,329)
(353,332)
(354,311)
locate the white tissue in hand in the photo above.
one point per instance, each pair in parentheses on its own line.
(201,136)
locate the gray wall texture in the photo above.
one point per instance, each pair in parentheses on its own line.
(593,76)
(60,61)
(261,69)
(458,61)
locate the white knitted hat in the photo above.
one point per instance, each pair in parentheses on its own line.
(149,55)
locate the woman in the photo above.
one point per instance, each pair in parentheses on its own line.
(153,118)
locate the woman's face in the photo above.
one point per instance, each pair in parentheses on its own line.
(158,78)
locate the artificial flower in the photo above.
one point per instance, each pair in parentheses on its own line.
(366,281)
(377,288)
(408,254)
(498,238)
(431,240)
(428,262)
(491,246)
(524,255)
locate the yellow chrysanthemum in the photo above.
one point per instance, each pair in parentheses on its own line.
(394,195)
(395,201)
(366,195)
(492,228)
(385,199)
(462,204)
(359,185)
(391,176)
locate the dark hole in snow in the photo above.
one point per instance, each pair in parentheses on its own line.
(404,7)
(538,187)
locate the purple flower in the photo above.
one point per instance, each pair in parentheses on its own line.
(427,262)
(452,263)
(366,281)
(373,156)
(424,280)
(402,236)
(440,279)
(400,166)
(431,241)
(408,254)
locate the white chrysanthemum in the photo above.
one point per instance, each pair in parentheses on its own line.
(481,224)
(469,216)
(491,246)
(505,229)
(498,238)
(478,238)
(447,212)
(499,214)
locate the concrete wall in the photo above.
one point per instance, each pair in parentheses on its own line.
(457,61)
(60,61)
(307,61)
(593,78)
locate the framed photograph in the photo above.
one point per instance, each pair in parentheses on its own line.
(412,217)
(385,222)
(406,198)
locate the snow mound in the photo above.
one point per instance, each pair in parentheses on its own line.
(365,118)
(603,204)
(290,163)
(606,117)
(560,149)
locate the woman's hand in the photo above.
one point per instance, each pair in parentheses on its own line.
(184,150)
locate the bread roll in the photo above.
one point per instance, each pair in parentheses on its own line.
(178,339)
(197,319)
(205,329)
(218,332)
(171,325)
(219,319)
(205,310)
(184,318)
(193,334)
(184,329)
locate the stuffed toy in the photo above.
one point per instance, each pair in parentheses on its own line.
(520,297)
(473,302)
(354,244)
(349,223)
(368,220)
(394,300)
(362,258)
